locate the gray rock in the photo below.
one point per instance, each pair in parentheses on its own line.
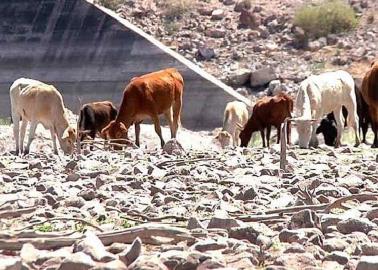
(239,77)
(10,263)
(262,76)
(223,223)
(338,256)
(218,14)
(250,232)
(194,223)
(132,253)
(77,261)
(209,245)
(368,263)
(92,246)
(370,249)
(355,225)
(173,147)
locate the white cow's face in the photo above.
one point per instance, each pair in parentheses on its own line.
(304,130)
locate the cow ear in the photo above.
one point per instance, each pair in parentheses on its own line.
(66,133)
(373,63)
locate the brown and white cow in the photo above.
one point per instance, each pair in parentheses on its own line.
(36,102)
(148,96)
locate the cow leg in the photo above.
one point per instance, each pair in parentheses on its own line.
(16,130)
(339,125)
(236,140)
(33,127)
(278,133)
(314,140)
(262,136)
(176,109)
(156,121)
(375,131)
(24,124)
(364,126)
(53,138)
(268,129)
(168,116)
(137,133)
(353,122)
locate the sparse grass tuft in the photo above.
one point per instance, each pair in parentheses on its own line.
(110,4)
(328,17)
(46,227)
(176,9)
(6,121)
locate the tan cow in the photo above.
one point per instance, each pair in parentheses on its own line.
(235,117)
(36,102)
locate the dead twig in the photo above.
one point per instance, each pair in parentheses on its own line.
(61,218)
(360,197)
(315,207)
(259,218)
(183,162)
(148,233)
(17,212)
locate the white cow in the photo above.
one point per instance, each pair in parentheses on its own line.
(235,117)
(36,102)
(322,94)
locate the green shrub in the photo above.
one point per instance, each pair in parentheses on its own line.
(176,9)
(328,17)
(110,4)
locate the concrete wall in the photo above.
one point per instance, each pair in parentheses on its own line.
(89,53)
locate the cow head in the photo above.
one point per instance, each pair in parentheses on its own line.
(114,131)
(68,139)
(224,138)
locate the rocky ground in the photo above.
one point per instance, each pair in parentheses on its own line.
(248,48)
(194,208)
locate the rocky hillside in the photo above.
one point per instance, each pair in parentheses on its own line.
(194,208)
(233,38)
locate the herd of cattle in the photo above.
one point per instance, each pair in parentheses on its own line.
(335,95)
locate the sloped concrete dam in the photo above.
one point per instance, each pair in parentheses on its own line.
(90,54)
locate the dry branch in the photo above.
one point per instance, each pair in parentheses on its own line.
(61,218)
(17,212)
(360,197)
(147,233)
(315,207)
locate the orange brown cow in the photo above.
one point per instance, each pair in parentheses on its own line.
(268,112)
(370,95)
(149,96)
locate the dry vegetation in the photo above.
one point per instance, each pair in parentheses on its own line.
(329,17)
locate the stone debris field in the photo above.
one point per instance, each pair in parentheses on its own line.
(194,206)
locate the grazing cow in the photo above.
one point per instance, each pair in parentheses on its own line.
(321,94)
(370,95)
(235,117)
(148,96)
(37,102)
(328,124)
(268,111)
(94,117)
